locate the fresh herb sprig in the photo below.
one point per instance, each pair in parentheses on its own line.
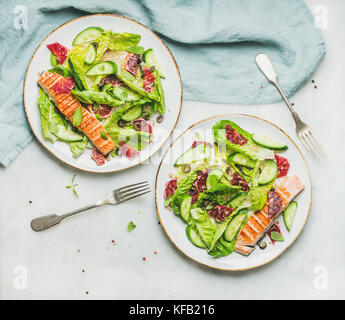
(73,186)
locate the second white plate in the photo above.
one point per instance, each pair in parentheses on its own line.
(175,227)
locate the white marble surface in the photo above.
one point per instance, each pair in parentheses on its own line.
(54,260)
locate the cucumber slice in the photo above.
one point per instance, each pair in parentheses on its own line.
(194,154)
(268,172)
(75,75)
(289,214)
(151,60)
(90,54)
(237,200)
(185,207)
(67,135)
(194,238)
(87,35)
(242,159)
(53,60)
(105,67)
(234,225)
(132,114)
(126,95)
(213,178)
(268,142)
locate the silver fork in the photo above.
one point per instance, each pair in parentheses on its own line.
(303,131)
(115,197)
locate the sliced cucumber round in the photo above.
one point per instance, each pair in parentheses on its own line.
(87,35)
(185,208)
(234,225)
(66,135)
(90,54)
(151,60)
(132,114)
(289,214)
(105,67)
(194,238)
(242,159)
(268,142)
(269,171)
(213,178)
(237,200)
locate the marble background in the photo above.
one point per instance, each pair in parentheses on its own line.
(78,260)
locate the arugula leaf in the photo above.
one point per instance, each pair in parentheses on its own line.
(77,117)
(131,226)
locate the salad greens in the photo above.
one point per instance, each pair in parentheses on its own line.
(217,186)
(116,80)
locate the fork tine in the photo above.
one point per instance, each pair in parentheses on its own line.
(135,192)
(306,144)
(315,142)
(131,185)
(137,195)
(144,185)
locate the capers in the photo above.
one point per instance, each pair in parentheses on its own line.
(152,69)
(198,172)
(147,117)
(193,189)
(121,123)
(263,245)
(159,119)
(186,168)
(137,126)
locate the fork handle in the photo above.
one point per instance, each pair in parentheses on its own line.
(265,66)
(45,222)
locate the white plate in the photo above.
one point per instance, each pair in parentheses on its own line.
(175,227)
(65,34)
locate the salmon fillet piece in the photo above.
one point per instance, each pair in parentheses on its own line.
(68,104)
(259,222)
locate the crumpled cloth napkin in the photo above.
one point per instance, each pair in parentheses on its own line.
(214,43)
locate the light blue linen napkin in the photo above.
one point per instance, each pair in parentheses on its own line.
(214,43)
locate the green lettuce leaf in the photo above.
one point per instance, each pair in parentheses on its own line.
(92,97)
(77,148)
(258,196)
(122,41)
(250,148)
(50,118)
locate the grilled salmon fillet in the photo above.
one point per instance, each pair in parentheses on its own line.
(259,222)
(68,104)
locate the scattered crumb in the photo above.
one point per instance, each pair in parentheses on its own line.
(113,242)
(159,222)
(78,250)
(315,87)
(30,201)
(251,82)
(312,81)
(139,212)
(83,270)
(87,292)
(292,104)
(261,87)
(144,259)
(107,248)
(155,252)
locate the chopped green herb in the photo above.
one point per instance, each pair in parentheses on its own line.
(98,117)
(77,117)
(131,226)
(75,192)
(73,186)
(277,236)
(104,135)
(139,212)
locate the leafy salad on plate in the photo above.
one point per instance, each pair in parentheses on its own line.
(101,94)
(230,191)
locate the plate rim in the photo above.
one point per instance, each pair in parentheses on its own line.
(190,128)
(52,152)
